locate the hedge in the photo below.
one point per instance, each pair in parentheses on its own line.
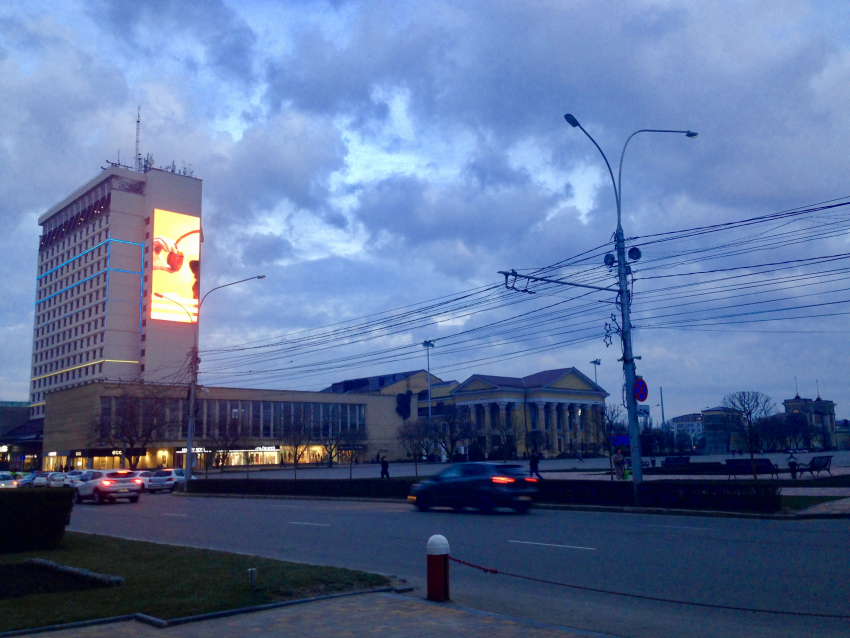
(728,496)
(347,488)
(734,496)
(33,519)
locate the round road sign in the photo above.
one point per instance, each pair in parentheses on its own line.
(641,390)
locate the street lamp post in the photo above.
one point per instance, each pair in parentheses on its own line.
(428,345)
(623,271)
(595,363)
(194,361)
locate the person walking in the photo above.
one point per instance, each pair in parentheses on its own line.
(385,468)
(619,464)
(534,466)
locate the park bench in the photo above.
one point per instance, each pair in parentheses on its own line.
(629,462)
(676,461)
(817,464)
(745,466)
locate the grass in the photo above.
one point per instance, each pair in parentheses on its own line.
(797,503)
(169,582)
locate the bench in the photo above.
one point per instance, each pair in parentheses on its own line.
(629,462)
(676,461)
(817,464)
(745,466)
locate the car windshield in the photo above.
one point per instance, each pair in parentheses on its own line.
(6,477)
(162,473)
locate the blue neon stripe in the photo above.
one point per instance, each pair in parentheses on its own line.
(89,278)
(73,259)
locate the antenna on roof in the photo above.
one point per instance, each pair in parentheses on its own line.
(818,387)
(796,389)
(138,159)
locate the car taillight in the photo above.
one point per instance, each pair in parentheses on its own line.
(139,481)
(170,478)
(14,483)
(503,479)
(108,482)
(531,480)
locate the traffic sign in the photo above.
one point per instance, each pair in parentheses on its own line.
(641,390)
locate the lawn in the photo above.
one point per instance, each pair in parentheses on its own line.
(797,503)
(168,582)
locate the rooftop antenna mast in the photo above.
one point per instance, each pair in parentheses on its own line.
(138,159)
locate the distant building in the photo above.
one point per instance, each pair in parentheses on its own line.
(690,424)
(820,415)
(842,435)
(717,424)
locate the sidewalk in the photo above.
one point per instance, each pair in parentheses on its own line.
(366,615)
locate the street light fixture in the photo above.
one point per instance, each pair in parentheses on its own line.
(623,271)
(193,380)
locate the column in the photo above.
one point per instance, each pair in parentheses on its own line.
(553,428)
(571,425)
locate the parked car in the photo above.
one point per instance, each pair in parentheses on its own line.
(108,486)
(70,477)
(8,480)
(480,485)
(25,480)
(145,476)
(56,479)
(167,480)
(40,479)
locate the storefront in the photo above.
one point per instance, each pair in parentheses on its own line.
(90,459)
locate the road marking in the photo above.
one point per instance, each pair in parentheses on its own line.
(592,549)
(183,515)
(312,524)
(708,529)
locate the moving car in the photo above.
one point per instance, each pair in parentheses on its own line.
(108,486)
(167,480)
(8,480)
(480,485)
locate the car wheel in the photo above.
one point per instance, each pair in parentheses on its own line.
(173,487)
(484,503)
(134,499)
(521,508)
(97,498)
(422,503)
(77,498)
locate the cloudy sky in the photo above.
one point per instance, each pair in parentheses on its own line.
(371,156)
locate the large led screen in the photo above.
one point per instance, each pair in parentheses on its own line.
(176,266)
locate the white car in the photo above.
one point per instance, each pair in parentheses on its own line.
(72,476)
(56,479)
(167,480)
(145,476)
(7,480)
(107,486)
(40,479)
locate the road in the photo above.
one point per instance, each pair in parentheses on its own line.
(786,565)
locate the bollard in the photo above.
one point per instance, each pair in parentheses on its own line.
(438,568)
(252,577)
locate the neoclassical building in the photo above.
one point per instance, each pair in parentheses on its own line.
(563,407)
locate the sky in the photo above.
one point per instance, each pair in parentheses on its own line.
(372,156)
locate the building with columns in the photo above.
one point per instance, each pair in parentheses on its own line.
(558,410)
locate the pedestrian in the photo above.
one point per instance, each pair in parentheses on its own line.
(385,468)
(580,460)
(619,464)
(534,466)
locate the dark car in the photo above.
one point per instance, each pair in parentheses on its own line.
(479,485)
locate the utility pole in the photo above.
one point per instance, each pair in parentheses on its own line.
(138,159)
(663,420)
(428,345)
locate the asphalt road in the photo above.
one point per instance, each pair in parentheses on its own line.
(800,566)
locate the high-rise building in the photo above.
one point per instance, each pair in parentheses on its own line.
(117,282)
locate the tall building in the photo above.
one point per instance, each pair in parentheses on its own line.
(105,249)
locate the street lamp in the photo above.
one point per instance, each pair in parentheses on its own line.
(623,270)
(595,363)
(193,372)
(428,345)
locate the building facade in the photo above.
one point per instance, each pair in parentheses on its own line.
(820,415)
(690,424)
(101,249)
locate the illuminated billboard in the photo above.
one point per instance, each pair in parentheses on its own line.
(176,266)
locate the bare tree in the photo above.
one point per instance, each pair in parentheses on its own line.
(329,436)
(415,438)
(750,408)
(140,420)
(613,422)
(220,442)
(351,439)
(453,427)
(504,434)
(297,435)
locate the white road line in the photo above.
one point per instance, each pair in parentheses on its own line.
(592,549)
(312,524)
(182,515)
(707,529)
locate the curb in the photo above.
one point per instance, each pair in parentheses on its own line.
(609,509)
(163,624)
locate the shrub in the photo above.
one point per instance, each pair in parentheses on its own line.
(32,519)
(729,496)
(349,488)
